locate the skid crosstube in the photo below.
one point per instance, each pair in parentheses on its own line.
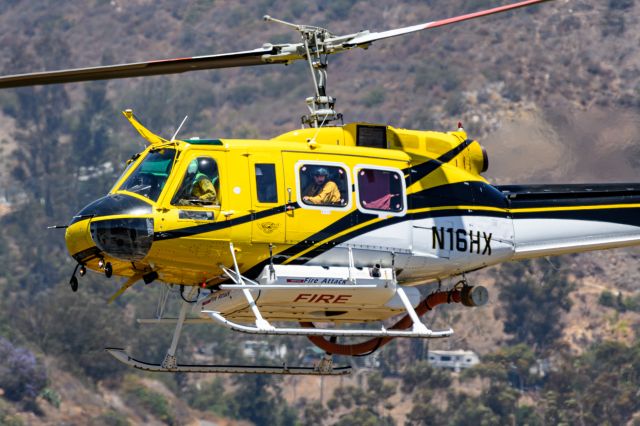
(122,356)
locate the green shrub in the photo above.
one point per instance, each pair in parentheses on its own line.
(618,302)
(110,418)
(151,401)
(51,396)
(374,98)
(607,299)
(209,397)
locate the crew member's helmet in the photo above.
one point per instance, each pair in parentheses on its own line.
(207,166)
(321,172)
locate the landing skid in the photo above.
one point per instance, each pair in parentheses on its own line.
(419,330)
(321,370)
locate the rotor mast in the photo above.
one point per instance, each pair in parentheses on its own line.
(314,42)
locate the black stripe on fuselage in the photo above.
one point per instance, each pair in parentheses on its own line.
(474,193)
(421,170)
(317,251)
(343,224)
(550,196)
(622,216)
(216,226)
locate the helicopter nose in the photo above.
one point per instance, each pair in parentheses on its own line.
(112,225)
(127,238)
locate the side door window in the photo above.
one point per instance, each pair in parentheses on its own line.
(323,185)
(266,185)
(200,186)
(269,222)
(381,190)
(199,190)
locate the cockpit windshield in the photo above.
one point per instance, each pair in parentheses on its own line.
(149,178)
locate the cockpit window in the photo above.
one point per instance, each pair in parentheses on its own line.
(149,178)
(200,186)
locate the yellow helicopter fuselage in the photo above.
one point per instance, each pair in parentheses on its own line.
(190,242)
(410,202)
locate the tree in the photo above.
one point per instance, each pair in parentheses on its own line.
(425,381)
(40,125)
(73,326)
(367,403)
(258,398)
(422,374)
(517,361)
(314,413)
(424,411)
(535,294)
(208,397)
(599,387)
(21,375)
(37,167)
(94,159)
(365,417)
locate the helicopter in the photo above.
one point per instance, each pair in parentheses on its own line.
(330,224)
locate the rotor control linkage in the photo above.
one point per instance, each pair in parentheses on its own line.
(315,49)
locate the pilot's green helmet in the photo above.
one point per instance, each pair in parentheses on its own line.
(193,167)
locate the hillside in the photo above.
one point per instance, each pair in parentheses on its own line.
(552,92)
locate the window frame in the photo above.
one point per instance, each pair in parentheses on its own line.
(384,213)
(301,163)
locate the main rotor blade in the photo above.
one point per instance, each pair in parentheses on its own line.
(140,69)
(268,54)
(368,38)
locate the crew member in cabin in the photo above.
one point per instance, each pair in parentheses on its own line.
(322,190)
(201,174)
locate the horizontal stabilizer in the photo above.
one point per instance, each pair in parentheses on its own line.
(558,219)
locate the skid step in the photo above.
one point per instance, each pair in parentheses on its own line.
(122,356)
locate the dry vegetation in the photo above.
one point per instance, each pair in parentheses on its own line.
(552,92)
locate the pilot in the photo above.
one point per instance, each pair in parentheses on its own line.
(322,191)
(200,176)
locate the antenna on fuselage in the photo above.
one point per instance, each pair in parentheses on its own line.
(173,138)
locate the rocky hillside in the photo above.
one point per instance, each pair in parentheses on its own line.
(551,91)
